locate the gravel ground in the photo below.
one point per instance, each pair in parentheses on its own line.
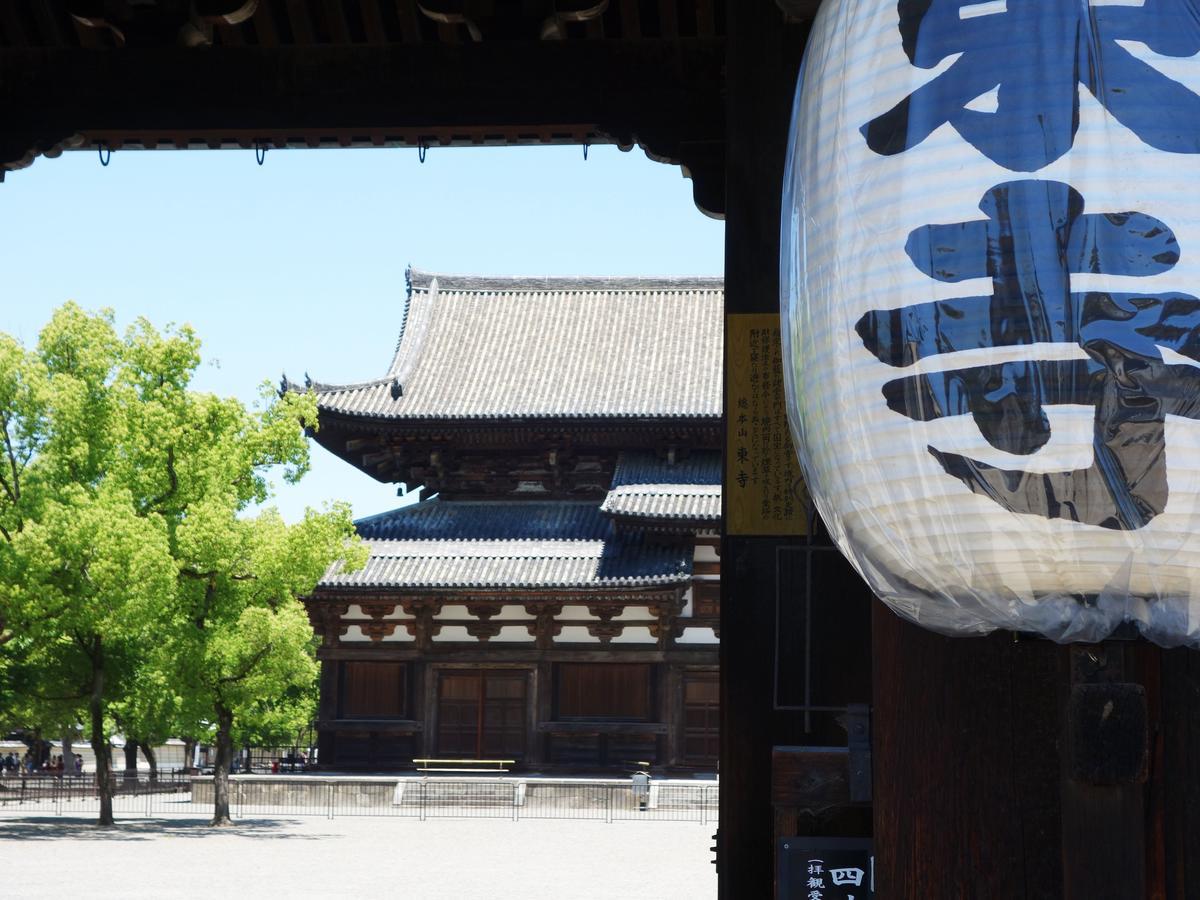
(463,859)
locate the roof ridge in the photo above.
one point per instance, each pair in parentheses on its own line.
(322,386)
(408,292)
(414,326)
(420,280)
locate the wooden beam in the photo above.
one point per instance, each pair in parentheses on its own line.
(335,21)
(410,20)
(264,26)
(631,20)
(46,15)
(14,31)
(302,30)
(663,94)
(373,22)
(668,18)
(810,779)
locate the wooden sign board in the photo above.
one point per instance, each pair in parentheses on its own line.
(764,492)
(826,869)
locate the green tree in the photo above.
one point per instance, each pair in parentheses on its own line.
(86,563)
(120,538)
(248,646)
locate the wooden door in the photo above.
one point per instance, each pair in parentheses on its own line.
(502,735)
(701,719)
(481,714)
(458,715)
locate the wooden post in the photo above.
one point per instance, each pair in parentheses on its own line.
(1174,786)
(428,701)
(541,704)
(761,65)
(327,711)
(966,764)
(1023,769)
(671,713)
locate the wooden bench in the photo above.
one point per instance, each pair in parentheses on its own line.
(463,765)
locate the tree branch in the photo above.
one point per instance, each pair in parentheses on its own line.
(13,490)
(210,591)
(249,666)
(172,477)
(210,575)
(78,696)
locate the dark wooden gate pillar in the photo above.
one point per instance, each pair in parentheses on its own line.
(966,763)
(1023,769)
(762,62)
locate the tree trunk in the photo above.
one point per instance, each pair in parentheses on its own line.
(189,754)
(151,760)
(100,747)
(221,771)
(68,752)
(131,749)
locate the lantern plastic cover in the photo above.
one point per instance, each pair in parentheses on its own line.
(990,271)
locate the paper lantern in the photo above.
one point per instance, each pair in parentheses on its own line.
(991,256)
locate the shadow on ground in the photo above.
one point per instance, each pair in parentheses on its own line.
(76,829)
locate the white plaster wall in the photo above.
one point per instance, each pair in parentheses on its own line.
(354,634)
(513,634)
(634,613)
(687,603)
(576,613)
(636,634)
(356,612)
(698,636)
(575,634)
(453,633)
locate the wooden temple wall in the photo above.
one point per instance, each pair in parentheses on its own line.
(641,711)
(565,682)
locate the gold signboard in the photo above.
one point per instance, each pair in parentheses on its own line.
(764,492)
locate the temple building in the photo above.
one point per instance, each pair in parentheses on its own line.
(555,599)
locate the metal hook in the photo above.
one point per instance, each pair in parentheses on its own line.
(260,153)
(421,148)
(104,151)
(585,150)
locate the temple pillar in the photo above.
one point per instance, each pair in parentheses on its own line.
(762,61)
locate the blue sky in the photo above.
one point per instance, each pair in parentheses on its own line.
(298,265)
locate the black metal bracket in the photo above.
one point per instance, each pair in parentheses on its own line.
(858,740)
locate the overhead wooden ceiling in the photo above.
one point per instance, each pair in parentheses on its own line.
(146,74)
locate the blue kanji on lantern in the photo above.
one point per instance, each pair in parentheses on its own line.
(1035,237)
(1034,54)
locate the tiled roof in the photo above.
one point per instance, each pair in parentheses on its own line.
(647,487)
(450,544)
(548,348)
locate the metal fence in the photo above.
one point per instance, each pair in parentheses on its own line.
(411,798)
(77,794)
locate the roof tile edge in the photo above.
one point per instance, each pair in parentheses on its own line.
(420,280)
